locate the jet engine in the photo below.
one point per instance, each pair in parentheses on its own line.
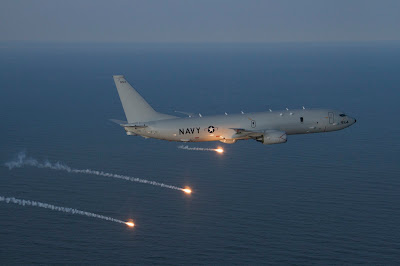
(272,137)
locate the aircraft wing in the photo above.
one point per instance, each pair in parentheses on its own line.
(241,132)
(268,136)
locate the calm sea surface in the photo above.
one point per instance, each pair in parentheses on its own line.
(319,198)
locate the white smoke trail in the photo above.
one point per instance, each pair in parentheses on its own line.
(22,161)
(23,202)
(182,147)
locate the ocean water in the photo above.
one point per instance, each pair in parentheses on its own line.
(318,199)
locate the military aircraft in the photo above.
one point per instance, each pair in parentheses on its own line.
(271,127)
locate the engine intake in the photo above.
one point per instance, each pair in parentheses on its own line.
(273,137)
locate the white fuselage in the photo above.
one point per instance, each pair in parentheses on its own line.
(224,127)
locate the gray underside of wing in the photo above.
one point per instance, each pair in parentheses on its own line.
(243,133)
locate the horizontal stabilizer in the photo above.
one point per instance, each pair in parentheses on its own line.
(133,125)
(126,124)
(119,122)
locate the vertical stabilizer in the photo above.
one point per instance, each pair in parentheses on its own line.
(135,107)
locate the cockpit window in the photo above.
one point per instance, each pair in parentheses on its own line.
(342,115)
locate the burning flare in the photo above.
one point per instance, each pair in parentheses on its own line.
(130,224)
(32,203)
(219,150)
(187,190)
(23,160)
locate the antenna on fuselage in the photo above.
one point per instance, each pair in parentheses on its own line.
(200,115)
(270,110)
(304,108)
(287,109)
(242,112)
(226,113)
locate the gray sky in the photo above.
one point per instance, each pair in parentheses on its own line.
(199,21)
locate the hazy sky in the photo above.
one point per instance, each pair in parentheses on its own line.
(199,21)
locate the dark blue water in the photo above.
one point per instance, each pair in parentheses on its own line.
(320,198)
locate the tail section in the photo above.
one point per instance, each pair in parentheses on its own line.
(135,107)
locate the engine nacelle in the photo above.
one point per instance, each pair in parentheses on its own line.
(273,137)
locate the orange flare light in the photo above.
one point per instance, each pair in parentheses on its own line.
(219,150)
(130,224)
(187,190)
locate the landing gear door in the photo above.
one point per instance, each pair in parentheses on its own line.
(331,117)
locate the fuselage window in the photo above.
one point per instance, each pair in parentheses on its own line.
(301,119)
(342,115)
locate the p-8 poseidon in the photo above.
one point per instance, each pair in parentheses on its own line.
(271,127)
